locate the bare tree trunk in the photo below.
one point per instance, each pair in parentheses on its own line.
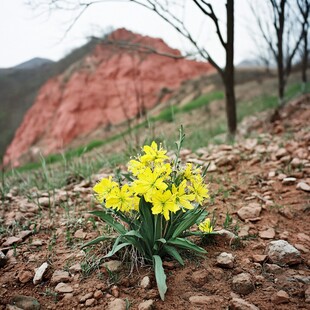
(280,60)
(304,62)
(229,72)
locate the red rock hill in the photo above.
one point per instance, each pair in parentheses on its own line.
(118,80)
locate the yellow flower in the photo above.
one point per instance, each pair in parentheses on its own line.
(120,199)
(181,198)
(205,226)
(200,191)
(192,174)
(153,154)
(103,188)
(163,202)
(147,183)
(163,170)
(136,167)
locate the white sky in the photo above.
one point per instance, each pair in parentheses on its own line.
(25,34)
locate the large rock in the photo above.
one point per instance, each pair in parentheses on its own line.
(282,253)
(101,90)
(251,211)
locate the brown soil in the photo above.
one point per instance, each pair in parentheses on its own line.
(251,173)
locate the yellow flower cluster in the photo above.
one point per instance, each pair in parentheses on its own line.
(153,179)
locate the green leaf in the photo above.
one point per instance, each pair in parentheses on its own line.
(160,276)
(110,221)
(188,221)
(97,240)
(116,249)
(172,251)
(162,240)
(133,233)
(147,225)
(187,245)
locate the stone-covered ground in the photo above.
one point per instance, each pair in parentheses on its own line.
(260,193)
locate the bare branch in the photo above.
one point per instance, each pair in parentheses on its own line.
(214,18)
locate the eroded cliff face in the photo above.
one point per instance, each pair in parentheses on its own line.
(117,81)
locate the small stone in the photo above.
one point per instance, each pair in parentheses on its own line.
(90,302)
(284,235)
(206,300)
(241,304)
(85,297)
(282,253)
(273,268)
(282,176)
(45,201)
(12,240)
(200,277)
(115,291)
(267,234)
(60,276)
(146,282)
(288,181)
(146,305)
(3,259)
(244,231)
(24,276)
(68,296)
(63,288)
(228,235)
(281,152)
(281,297)
(98,294)
(117,304)
(25,302)
(301,247)
(225,260)
(253,210)
(259,258)
(242,283)
(40,273)
(75,268)
(80,234)
(113,265)
(303,237)
(303,186)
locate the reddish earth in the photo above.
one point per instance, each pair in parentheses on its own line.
(270,173)
(109,86)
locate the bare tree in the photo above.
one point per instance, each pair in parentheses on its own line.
(164,9)
(282,36)
(304,9)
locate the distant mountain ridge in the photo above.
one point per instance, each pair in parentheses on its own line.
(33,63)
(19,86)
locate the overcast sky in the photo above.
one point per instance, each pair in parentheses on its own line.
(26,33)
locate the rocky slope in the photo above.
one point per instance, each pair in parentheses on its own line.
(261,262)
(110,85)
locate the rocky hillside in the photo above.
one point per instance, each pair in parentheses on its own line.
(18,91)
(119,80)
(259,259)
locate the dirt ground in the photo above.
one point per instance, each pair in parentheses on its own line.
(269,171)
